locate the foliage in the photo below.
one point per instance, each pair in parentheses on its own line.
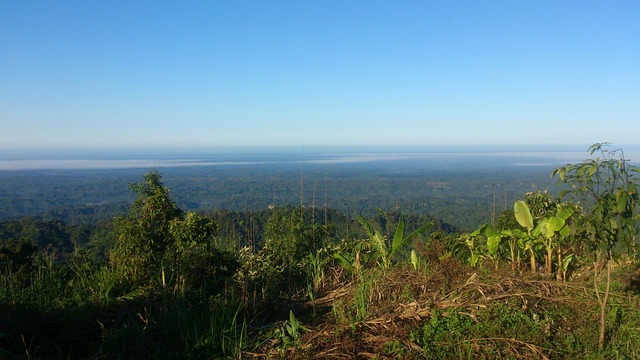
(458,199)
(608,186)
(143,238)
(159,245)
(290,331)
(382,254)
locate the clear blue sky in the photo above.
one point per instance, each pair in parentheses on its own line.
(305,73)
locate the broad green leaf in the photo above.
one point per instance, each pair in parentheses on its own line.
(563,193)
(469,241)
(414,259)
(523,215)
(540,229)
(555,224)
(419,231)
(564,212)
(292,319)
(479,230)
(398,238)
(400,241)
(490,231)
(621,200)
(506,233)
(344,262)
(366,226)
(518,233)
(493,243)
(473,260)
(378,242)
(566,262)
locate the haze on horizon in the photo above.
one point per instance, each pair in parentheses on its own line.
(123,74)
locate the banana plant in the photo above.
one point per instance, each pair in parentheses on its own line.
(550,227)
(399,242)
(564,264)
(469,240)
(513,237)
(517,239)
(415,260)
(350,263)
(494,239)
(524,218)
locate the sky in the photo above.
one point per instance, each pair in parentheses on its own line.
(123,74)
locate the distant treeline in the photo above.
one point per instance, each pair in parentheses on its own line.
(236,229)
(463,198)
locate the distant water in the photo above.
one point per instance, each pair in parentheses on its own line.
(442,156)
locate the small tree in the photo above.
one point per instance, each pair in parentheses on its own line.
(608,188)
(142,237)
(159,244)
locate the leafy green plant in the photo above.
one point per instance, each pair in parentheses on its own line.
(493,240)
(294,327)
(289,333)
(531,242)
(142,237)
(415,260)
(361,298)
(565,265)
(470,241)
(395,348)
(608,187)
(399,242)
(315,264)
(551,228)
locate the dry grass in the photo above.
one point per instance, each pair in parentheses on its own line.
(400,300)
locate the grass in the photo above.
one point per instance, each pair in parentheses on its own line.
(447,310)
(474,315)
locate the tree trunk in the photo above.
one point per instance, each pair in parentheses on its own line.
(603,302)
(533,260)
(560,270)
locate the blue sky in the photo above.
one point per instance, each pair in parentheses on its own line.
(308,73)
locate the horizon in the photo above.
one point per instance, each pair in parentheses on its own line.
(237,74)
(90,152)
(94,159)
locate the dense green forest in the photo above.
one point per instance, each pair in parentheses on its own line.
(553,274)
(465,196)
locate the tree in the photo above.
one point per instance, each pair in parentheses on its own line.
(143,235)
(607,186)
(159,244)
(191,258)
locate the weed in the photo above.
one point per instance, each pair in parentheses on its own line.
(394,348)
